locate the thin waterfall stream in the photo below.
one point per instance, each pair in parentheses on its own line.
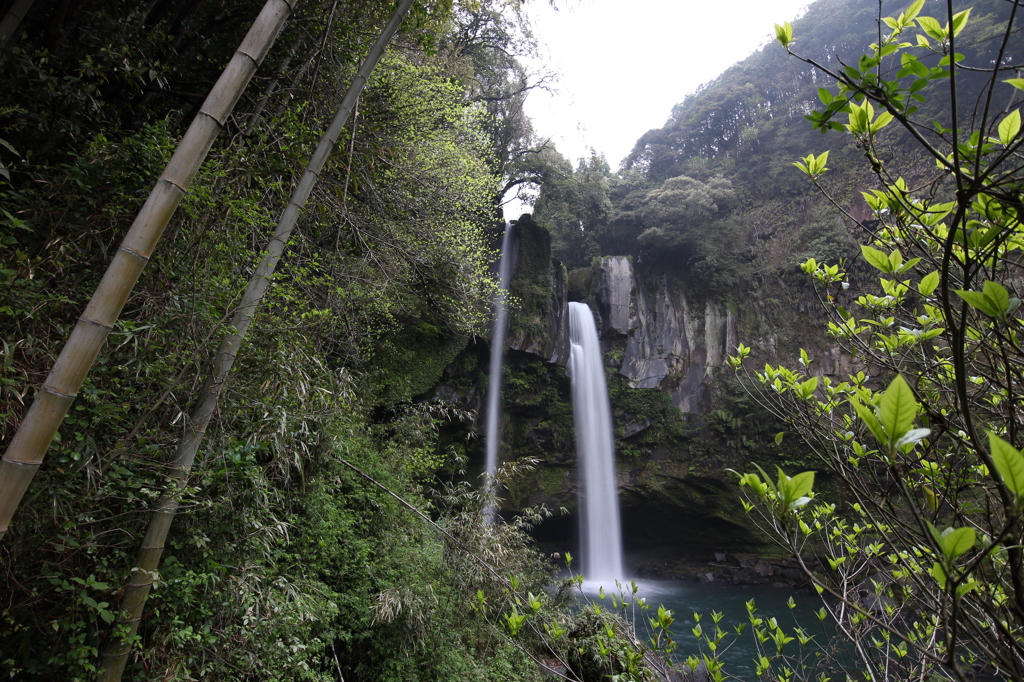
(600,529)
(498,332)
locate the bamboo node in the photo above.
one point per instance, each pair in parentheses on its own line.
(55,392)
(83,318)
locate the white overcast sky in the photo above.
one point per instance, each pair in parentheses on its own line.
(623,64)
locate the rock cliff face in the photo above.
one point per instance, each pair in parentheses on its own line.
(670,343)
(540,326)
(681,420)
(674,339)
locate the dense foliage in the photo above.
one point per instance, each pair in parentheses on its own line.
(285,562)
(923,564)
(739,216)
(328,529)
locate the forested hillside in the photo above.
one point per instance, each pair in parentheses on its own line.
(713,193)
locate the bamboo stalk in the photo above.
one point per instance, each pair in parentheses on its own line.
(53,399)
(117,649)
(12,20)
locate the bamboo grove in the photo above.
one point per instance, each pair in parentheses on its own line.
(386,270)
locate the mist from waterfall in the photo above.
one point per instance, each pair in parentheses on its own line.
(498,332)
(600,530)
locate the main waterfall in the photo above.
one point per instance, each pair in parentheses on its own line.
(600,532)
(498,332)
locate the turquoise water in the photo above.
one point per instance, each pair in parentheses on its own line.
(685,599)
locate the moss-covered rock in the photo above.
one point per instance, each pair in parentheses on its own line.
(413,363)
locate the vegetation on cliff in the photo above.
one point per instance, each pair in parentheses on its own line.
(924,561)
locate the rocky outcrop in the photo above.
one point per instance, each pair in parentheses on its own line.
(670,341)
(538,321)
(614,285)
(658,332)
(680,423)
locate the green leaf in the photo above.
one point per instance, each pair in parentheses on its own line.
(1009,463)
(870,420)
(895,260)
(807,388)
(795,491)
(928,283)
(860,114)
(876,258)
(883,120)
(976,299)
(819,163)
(956,543)
(1016,82)
(801,484)
(913,436)
(897,409)
(779,436)
(913,11)
(960,20)
(784,34)
(1009,127)
(932,27)
(993,299)
(939,573)
(998,294)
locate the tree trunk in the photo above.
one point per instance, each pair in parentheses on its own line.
(53,399)
(116,651)
(12,20)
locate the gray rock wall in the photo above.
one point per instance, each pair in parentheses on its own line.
(671,343)
(658,332)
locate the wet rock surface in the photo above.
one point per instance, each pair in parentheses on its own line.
(735,569)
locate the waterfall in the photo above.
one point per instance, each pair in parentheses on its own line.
(600,531)
(498,330)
